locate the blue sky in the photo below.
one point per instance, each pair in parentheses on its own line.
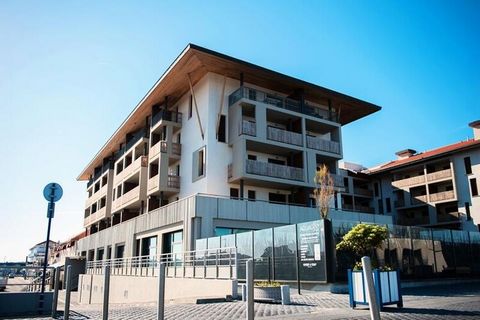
(70,72)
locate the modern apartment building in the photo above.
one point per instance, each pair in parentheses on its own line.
(437,188)
(217,146)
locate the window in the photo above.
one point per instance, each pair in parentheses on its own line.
(119,250)
(474,187)
(375,187)
(277,197)
(380,206)
(222,136)
(190,104)
(234,193)
(172,242)
(198,164)
(389,205)
(467,211)
(468,165)
(252,195)
(222,231)
(252,157)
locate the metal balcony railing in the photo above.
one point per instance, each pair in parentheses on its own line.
(173,181)
(284,136)
(247,127)
(210,263)
(167,116)
(280,102)
(323,145)
(274,170)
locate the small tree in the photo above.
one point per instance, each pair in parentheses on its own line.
(324,191)
(362,239)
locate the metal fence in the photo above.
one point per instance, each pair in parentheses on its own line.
(21,278)
(218,263)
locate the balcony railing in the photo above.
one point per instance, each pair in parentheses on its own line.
(131,195)
(338,180)
(409,181)
(176,148)
(284,136)
(135,138)
(167,116)
(274,170)
(230,170)
(153,183)
(247,127)
(173,181)
(99,173)
(442,174)
(358,208)
(323,145)
(362,191)
(418,200)
(280,102)
(441,196)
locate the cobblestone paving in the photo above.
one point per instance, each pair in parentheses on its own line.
(462,302)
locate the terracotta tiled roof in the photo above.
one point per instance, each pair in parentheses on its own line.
(425,155)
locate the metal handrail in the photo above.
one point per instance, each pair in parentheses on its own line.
(181,264)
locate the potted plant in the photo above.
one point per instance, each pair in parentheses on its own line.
(361,241)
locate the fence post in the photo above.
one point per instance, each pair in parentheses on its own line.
(434,252)
(372,296)
(297,260)
(55,292)
(204,264)
(174,265)
(216,264)
(68,277)
(106,292)
(250,304)
(161,292)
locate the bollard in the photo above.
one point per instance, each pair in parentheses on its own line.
(55,292)
(250,304)
(68,276)
(285,291)
(371,294)
(235,289)
(161,292)
(244,292)
(106,292)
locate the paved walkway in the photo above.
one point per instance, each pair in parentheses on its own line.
(449,302)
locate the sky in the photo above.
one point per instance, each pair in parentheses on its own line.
(71,72)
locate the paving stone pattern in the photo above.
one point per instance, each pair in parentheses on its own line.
(461,302)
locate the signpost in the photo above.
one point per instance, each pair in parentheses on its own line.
(52,193)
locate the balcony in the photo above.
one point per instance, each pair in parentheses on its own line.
(284,136)
(358,208)
(439,175)
(409,181)
(166,115)
(162,146)
(442,196)
(126,198)
(154,183)
(280,102)
(416,200)
(362,192)
(99,173)
(274,170)
(323,145)
(140,162)
(248,128)
(338,181)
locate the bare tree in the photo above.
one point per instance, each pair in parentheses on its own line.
(324,190)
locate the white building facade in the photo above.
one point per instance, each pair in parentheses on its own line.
(217,146)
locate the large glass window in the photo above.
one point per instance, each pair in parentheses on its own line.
(172,242)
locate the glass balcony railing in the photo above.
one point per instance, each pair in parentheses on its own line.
(167,116)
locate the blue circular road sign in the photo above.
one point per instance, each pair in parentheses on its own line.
(52,192)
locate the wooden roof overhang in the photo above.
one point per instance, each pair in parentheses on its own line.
(196,61)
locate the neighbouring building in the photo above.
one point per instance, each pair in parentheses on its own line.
(217,146)
(435,188)
(64,249)
(36,256)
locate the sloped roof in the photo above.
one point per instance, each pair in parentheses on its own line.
(197,61)
(427,155)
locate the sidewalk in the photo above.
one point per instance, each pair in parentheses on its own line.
(441,302)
